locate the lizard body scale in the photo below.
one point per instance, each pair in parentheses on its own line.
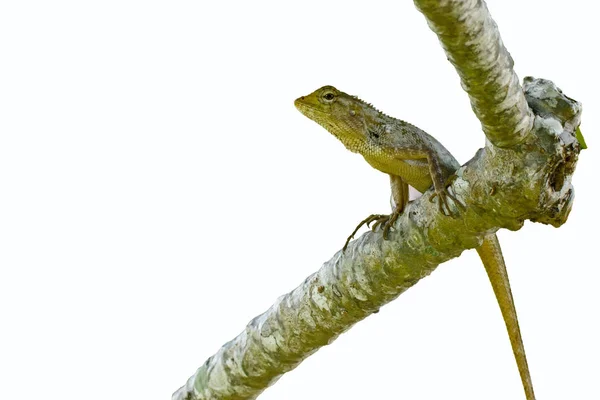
(412,157)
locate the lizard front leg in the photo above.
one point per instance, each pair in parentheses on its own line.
(400,197)
(441,182)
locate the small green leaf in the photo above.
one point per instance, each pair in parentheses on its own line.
(580,138)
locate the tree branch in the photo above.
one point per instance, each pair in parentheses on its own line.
(473,45)
(535,180)
(535,177)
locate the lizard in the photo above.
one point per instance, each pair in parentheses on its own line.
(410,156)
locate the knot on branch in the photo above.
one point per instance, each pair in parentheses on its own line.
(533,179)
(557,117)
(547,100)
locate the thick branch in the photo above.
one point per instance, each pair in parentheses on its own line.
(535,181)
(473,45)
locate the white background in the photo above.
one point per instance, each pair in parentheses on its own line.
(158,189)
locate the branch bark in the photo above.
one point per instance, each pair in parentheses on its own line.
(501,188)
(473,45)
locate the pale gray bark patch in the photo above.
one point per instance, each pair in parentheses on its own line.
(473,45)
(501,189)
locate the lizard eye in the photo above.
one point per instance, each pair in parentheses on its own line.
(329,96)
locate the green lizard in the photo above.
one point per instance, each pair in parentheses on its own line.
(412,157)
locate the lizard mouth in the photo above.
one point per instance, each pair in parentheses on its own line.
(300,103)
(307,109)
(313,113)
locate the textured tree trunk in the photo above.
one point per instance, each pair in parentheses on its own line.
(524,172)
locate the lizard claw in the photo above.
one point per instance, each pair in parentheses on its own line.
(380,220)
(377,218)
(390,221)
(443,203)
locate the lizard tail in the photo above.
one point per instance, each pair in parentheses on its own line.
(491,256)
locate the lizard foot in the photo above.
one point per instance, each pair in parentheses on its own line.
(384,220)
(377,218)
(443,203)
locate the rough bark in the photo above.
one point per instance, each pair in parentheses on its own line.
(473,45)
(529,177)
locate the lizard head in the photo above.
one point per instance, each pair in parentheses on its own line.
(345,116)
